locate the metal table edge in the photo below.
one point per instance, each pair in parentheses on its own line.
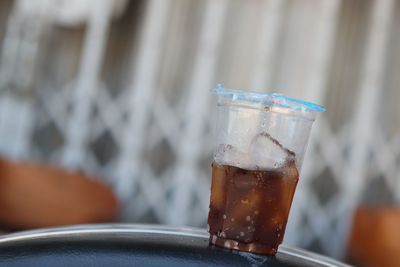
(121,228)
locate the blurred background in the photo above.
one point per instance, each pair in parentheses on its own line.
(119,90)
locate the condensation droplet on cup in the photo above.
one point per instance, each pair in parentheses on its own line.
(224,216)
(241,233)
(248,218)
(252,248)
(244,201)
(232,219)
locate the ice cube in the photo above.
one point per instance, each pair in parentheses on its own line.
(267,153)
(230,155)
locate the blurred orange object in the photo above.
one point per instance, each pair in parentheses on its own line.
(33,195)
(375,237)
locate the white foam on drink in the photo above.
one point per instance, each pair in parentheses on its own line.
(263,152)
(230,155)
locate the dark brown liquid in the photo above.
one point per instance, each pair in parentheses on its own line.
(249,208)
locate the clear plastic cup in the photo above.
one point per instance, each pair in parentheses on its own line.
(261,141)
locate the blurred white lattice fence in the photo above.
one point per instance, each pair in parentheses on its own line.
(125,96)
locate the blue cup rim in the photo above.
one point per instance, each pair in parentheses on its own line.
(267,99)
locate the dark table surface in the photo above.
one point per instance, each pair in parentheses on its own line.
(136,245)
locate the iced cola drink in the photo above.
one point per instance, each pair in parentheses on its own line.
(254,173)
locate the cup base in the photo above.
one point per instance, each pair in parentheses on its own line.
(253,247)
